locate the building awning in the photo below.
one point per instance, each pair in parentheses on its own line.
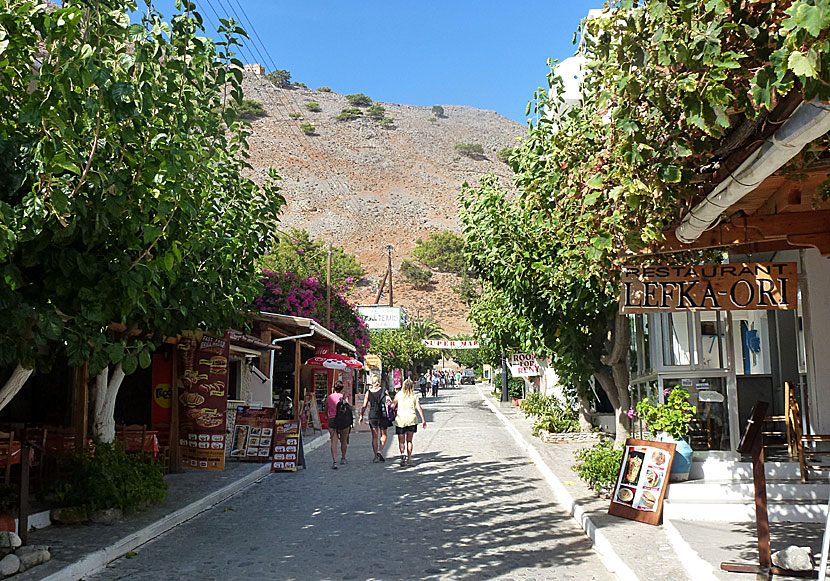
(302,325)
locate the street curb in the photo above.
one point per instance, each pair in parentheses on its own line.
(609,557)
(98,560)
(696,567)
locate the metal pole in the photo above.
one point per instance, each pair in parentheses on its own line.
(328,288)
(504,393)
(391,301)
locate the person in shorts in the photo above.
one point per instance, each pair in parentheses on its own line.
(375,399)
(336,432)
(408,404)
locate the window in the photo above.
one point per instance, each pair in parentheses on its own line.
(234,380)
(750,337)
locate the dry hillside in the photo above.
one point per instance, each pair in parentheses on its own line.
(362,187)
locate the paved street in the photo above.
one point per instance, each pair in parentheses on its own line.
(472,507)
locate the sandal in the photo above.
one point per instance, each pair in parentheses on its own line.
(334,466)
(381,458)
(403,460)
(342,461)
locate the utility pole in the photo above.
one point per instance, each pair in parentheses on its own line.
(328,287)
(389,252)
(504,393)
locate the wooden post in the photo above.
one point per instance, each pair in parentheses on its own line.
(23,507)
(265,358)
(299,400)
(80,413)
(174,409)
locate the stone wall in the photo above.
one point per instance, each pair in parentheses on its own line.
(571,437)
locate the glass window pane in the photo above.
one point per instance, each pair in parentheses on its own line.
(750,336)
(676,340)
(712,325)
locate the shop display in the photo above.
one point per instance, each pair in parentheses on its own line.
(203,401)
(253,434)
(641,484)
(287,446)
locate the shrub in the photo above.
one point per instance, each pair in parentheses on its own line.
(467,289)
(323,90)
(250,109)
(313,107)
(349,113)
(295,115)
(387,123)
(442,251)
(598,465)
(505,153)
(280,78)
(432,120)
(549,414)
(471,150)
(109,478)
(359,100)
(515,385)
(415,275)
(376,112)
(438,110)
(307,128)
(299,85)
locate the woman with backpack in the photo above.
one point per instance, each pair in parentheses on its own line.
(407,403)
(375,400)
(339,413)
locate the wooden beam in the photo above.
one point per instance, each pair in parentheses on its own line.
(264,363)
(80,413)
(796,228)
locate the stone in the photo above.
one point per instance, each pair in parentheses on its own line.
(72,515)
(32,558)
(794,558)
(106,516)
(9,540)
(9,565)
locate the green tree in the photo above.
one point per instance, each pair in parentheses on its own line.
(414,274)
(438,110)
(469,358)
(324,90)
(298,253)
(313,106)
(125,213)
(358,100)
(467,289)
(442,251)
(280,78)
(307,128)
(471,150)
(349,113)
(376,112)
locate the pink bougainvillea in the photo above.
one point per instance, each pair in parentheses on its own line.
(287,294)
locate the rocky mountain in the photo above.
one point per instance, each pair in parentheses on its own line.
(363,186)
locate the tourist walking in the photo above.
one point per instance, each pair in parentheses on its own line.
(375,400)
(339,425)
(435,382)
(407,403)
(422,384)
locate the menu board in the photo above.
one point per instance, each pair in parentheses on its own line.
(203,401)
(286,446)
(253,434)
(641,484)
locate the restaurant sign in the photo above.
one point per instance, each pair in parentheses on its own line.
(709,287)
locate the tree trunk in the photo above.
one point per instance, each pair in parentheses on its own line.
(14,384)
(585,424)
(614,377)
(105,393)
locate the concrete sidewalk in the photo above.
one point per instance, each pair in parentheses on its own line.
(674,551)
(79,551)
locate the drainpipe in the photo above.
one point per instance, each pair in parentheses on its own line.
(278,339)
(810,121)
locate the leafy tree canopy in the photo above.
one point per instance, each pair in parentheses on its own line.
(414,274)
(442,251)
(125,214)
(280,77)
(299,253)
(402,349)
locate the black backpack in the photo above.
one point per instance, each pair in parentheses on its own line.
(343,417)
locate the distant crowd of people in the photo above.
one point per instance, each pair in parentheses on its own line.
(436,379)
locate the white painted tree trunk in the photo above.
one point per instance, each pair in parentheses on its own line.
(14,384)
(614,378)
(106,390)
(585,424)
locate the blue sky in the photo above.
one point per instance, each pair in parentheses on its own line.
(486,53)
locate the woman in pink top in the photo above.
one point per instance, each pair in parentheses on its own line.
(336,432)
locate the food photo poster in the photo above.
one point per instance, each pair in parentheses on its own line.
(641,483)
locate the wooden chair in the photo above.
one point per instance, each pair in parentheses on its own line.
(810,457)
(126,431)
(37,438)
(6,452)
(778,430)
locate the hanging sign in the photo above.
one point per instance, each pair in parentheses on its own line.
(253,433)
(372,361)
(709,287)
(641,485)
(381,317)
(523,365)
(446,344)
(203,401)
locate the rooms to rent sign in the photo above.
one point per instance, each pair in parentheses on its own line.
(523,365)
(709,287)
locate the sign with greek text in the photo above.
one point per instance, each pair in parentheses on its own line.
(381,317)
(523,365)
(446,344)
(709,287)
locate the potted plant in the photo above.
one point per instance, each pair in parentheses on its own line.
(670,423)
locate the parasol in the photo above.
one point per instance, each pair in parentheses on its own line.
(334,361)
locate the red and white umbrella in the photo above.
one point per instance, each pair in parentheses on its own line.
(334,361)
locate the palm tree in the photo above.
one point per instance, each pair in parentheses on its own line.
(426,329)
